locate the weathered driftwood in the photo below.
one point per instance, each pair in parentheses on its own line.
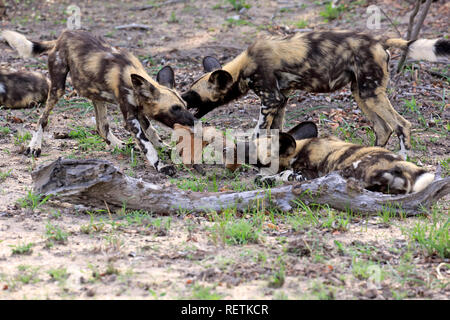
(94,182)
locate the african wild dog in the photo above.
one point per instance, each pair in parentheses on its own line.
(22,89)
(304,156)
(314,62)
(105,74)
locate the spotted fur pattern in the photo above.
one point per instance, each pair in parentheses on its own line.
(377,168)
(322,61)
(104,74)
(22,89)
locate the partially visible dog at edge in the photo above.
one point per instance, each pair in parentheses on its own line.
(105,74)
(23,89)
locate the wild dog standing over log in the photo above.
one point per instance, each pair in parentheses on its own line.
(103,73)
(22,89)
(309,157)
(314,62)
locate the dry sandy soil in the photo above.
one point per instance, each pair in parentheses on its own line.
(52,250)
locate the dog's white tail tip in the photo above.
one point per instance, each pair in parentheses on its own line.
(423,181)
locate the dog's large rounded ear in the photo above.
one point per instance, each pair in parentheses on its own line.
(221,79)
(143,87)
(166,77)
(304,130)
(211,64)
(287,145)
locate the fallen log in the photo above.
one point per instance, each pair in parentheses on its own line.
(93,183)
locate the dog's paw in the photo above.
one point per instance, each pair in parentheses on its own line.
(265,181)
(33,151)
(168,170)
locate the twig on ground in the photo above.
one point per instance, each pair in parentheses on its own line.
(392,23)
(133,26)
(151,6)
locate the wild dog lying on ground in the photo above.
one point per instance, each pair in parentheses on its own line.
(314,62)
(22,89)
(103,73)
(309,157)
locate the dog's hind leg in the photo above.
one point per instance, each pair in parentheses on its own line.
(103,129)
(58,70)
(385,119)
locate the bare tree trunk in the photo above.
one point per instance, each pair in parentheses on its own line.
(2,8)
(413,32)
(94,182)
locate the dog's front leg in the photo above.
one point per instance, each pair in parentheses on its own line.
(147,147)
(273,102)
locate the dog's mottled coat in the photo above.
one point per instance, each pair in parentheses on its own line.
(104,74)
(305,156)
(322,61)
(22,89)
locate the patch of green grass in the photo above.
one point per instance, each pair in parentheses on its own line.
(92,226)
(173,18)
(238,22)
(32,200)
(364,269)
(59,274)
(445,164)
(197,184)
(336,221)
(433,238)
(4,175)
(20,138)
(22,249)
(27,274)
(200,292)
(158,225)
(279,274)
(231,230)
(239,4)
(55,234)
(331,12)
(321,291)
(301,24)
(86,140)
(412,107)
(4,131)
(241,232)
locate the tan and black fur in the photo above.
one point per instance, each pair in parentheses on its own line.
(104,74)
(315,62)
(305,156)
(22,89)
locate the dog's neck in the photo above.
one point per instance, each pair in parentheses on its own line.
(238,66)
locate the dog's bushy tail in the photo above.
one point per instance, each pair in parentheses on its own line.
(422,49)
(25,47)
